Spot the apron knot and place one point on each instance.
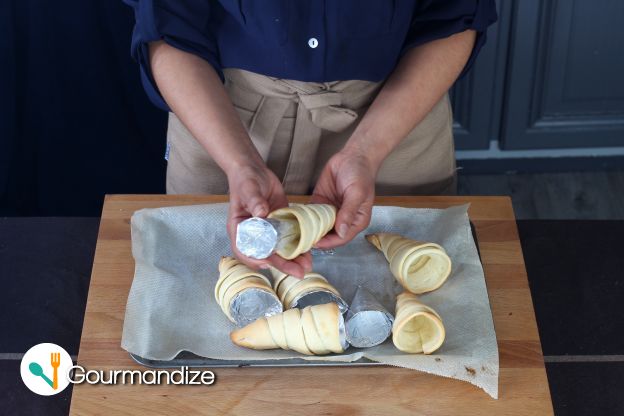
(326, 110)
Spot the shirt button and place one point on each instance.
(313, 43)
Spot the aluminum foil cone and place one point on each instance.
(318, 297)
(342, 333)
(368, 323)
(258, 238)
(253, 303)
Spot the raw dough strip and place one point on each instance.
(311, 331)
(417, 328)
(234, 277)
(312, 222)
(420, 267)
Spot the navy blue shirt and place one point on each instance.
(309, 40)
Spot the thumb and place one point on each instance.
(351, 203)
(254, 202)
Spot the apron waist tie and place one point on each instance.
(319, 108)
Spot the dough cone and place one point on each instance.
(314, 330)
(290, 288)
(310, 222)
(234, 277)
(417, 328)
(420, 267)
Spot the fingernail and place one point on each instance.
(257, 211)
(342, 230)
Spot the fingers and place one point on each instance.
(353, 217)
(354, 213)
(333, 240)
(297, 267)
(252, 263)
(305, 261)
(258, 197)
(253, 201)
(348, 212)
(320, 199)
(249, 198)
(325, 189)
(278, 201)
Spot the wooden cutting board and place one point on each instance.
(320, 390)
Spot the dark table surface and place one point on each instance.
(575, 269)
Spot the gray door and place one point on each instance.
(550, 76)
(565, 76)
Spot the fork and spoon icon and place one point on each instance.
(55, 361)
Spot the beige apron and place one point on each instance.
(297, 126)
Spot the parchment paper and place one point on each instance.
(171, 306)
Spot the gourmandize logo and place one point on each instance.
(47, 369)
(55, 360)
(44, 369)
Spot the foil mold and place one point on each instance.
(368, 323)
(342, 333)
(318, 297)
(319, 252)
(253, 303)
(258, 238)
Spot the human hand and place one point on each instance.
(348, 183)
(256, 191)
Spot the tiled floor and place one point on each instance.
(577, 289)
(17, 400)
(575, 272)
(578, 293)
(46, 267)
(587, 388)
(569, 195)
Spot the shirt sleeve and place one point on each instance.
(435, 19)
(183, 24)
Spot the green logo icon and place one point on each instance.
(44, 369)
